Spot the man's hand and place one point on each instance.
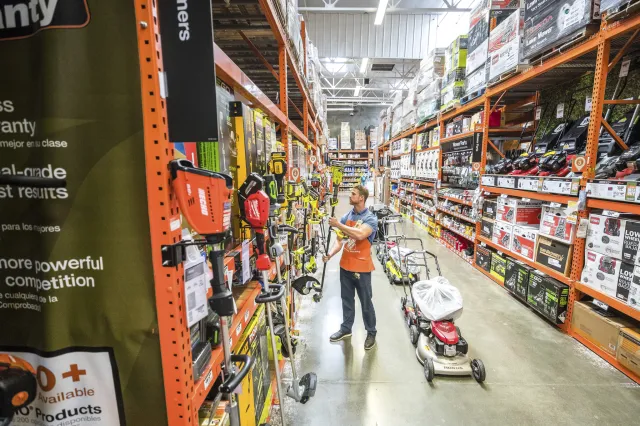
(325, 259)
(334, 222)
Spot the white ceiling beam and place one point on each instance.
(411, 11)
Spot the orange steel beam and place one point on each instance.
(231, 74)
(622, 102)
(597, 103)
(257, 52)
(305, 118)
(296, 107)
(623, 51)
(495, 148)
(284, 90)
(493, 108)
(485, 138)
(615, 136)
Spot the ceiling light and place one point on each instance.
(382, 8)
(363, 65)
(357, 91)
(339, 109)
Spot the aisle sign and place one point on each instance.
(187, 55)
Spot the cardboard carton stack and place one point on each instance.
(345, 135)
(360, 141)
(455, 71)
(611, 258)
(505, 46)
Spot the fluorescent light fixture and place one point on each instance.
(357, 91)
(382, 8)
(339, 109)
(363, 65)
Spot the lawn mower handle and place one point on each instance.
(234, 380)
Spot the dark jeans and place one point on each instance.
(350, 284)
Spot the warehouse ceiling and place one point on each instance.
(345, 35)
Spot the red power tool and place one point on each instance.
(254, 209)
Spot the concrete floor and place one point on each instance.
(536, 375)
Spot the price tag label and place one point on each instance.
(624, 68)
(526, 200)
(538, 113)
(600, 305)
(503, 195)
(610, 213)
(587, 104)
(555, 205)
(560, 111)
(500, 253)
(482, 244)
(582, 228)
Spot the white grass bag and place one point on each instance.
(437, 299)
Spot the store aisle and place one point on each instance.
(535, 373)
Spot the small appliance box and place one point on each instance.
(483, 257)
(502, 234)
(498, 266)
(548, 296)
(607, 275)
(549, 22)
(600, 328)
(519, 212)
(486, 228)
(553, 223)
(489, 209)
(614, 236)
(516, 278)
(629, 349)
(524, 241)
(634, 290)
(554, 254)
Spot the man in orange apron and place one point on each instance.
(359, 227)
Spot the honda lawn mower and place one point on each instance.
(430, 308)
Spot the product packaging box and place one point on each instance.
(486, 228)
(607, 275)
(599, 327)
(519, 212)
(498, 266)
(503, 234)
(476, 80)
(549, 23)
(516, 278)
(483, 257)
(524, 241)
(554, 223)
(614, 236)
(489, 209)
(554, 254)
(634, 290)
(629, 349)
(504, 46)
(548, 296)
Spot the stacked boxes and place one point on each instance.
(498, 266)
(505, 46)
(484, 18)
(483, 257)
(550, 23)
(454, 79)
(360, 140)
(547, 296)
(345, 135)
(428, 85)
(554, 254)
(611, 257)
(516, 278)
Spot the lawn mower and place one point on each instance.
(430, 308)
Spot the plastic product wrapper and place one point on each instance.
(437, 299)
(401, 252)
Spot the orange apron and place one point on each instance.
(356, 255)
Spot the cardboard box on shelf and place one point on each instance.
(516, 278)
(629, 349)
(554, 223)
(502, 234)
(489, 209)
(486, 228)
(607, 275)
(483, 257)
(599, 327)
(524, 241)
(634, 290)
(498, 266)
(554, 254)
(519, 212)
(548, 296)
(614, 236)
(505, 46)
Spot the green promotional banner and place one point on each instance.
(77, 299)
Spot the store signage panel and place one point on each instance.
(187, 53)
(19, 19)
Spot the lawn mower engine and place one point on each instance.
(556, 164)
(18, 386)
(526, 165)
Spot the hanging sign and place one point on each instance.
(624, 68)
(578, 164)
(560, 111)
(538, 113)
(588, 104)
(187, 54)
(313, 159)
(295, 173)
